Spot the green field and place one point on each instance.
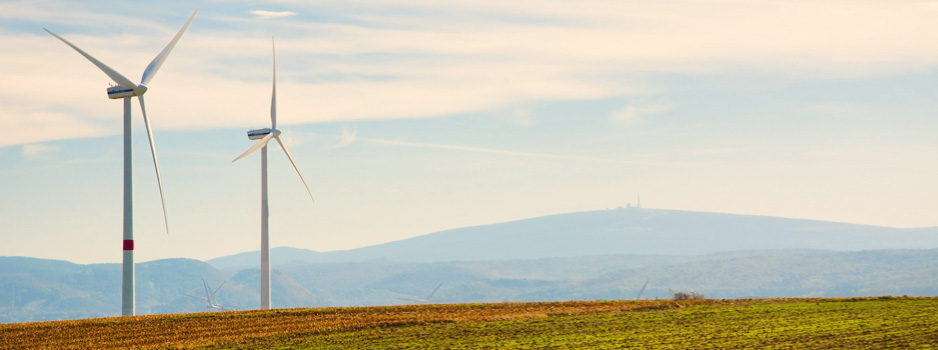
(855, 323)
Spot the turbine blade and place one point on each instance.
(219, 287)
(207, 295)
(193, 296)
(295, 166)
(273, 97)
(156, 163)
(260, 143)
(434, 291)
(643, 289)
(159, 59)
(113, 74)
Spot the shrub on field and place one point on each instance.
(687, 295)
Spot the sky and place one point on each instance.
(409, 117)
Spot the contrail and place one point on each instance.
(484, 150)
(349, 137)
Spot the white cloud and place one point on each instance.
(34, 150)
(396, 61)
(485, 150)
(272, 14)
(346, 139)
(634, 112)
(37, 126)
(626, 116)
(522, 117)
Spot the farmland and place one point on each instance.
(884, 322)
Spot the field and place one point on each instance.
(883, 322)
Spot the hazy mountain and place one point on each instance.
(52, 290)
(616, 231)
(285, 292)
(279, 256)
(162, 285)
(40, 289)
(591, 255)
(818, 274)
(639, 231)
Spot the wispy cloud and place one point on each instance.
(522, 117)
(261, 14)
(472, 57)
(346, 139)
(484, 150)
(715, 151)
(634, 112)
(35, 150)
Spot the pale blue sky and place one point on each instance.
(409, 117)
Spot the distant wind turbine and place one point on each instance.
(425, 300)
(209, 299)
(265, 135)
(126, 89)
(643, 289)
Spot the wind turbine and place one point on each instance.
(264, 135)
(125, 90)
(209, 299)
(642, 290)
(424, 300)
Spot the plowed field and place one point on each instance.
(884, 322)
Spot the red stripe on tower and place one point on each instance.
(128, 244)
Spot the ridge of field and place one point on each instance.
(876, 322)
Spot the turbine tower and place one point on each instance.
(264, 135)
(125, 90)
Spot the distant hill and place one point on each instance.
(279, 256)
(40, 289)
(616, 231)
(605, 254)
(37, 289)
(752, 274)
(815, 274)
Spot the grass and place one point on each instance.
(876, 323)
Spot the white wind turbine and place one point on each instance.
(265, 135)
(425, 300)
(125, 90)
(209, 299)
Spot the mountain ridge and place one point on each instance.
(605, 254)
(617, 231)
(165, 286)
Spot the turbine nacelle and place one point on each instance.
(119, 91)
(127, 89)
(261, 133)
(262, 137)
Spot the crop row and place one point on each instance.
(765, 323)
(192, 330)
(871, 323)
